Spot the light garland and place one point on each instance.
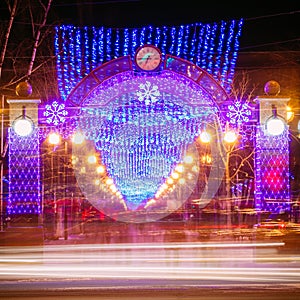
(272, 171)
(202, 44)
(24, 175)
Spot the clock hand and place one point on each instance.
(146, 57)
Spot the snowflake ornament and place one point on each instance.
(148, 94)
(238, 113)
(55, 113)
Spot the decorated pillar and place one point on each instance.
(24, 205)
(272, 187)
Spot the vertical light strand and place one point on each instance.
(108, 44)
(94, 47)
(193, 43)
(86, 53)
(78, 53)
(100, 43)
(66, 65)
(134, 41)
(72, 55)
(186, 42)
(219, 49)
(205, 46)
(173, 37)
(126, 42)
(164, 41)
(201, 37)
(157, 35)
(211, 49)
(235, 51)
(179, 41)
(117, 44)
(58, 55)
(149, 35)
(142, 36)
(227, 52)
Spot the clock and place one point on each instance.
(148, 57)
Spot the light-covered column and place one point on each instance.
(272, 186)
(24, 198)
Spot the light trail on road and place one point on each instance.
(239, 262)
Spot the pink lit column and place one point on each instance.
(272, 187)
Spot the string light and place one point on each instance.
(198, 43)
(25, 183)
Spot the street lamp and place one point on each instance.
(23, 125)
(275, 125)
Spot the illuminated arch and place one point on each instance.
(142, 126)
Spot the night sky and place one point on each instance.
(267, 24)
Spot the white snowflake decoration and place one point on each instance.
(148, 94)
(55, 113)
(238, 113)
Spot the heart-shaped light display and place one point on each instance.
(142, 130)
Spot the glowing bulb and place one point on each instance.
(92, 159)
(100, 169)
(23, 127)
(179, 168)
(230, 136)
(170, 181)
(78, 138)
(275, 126)
(113, 188)
(205, 137)
(74, 160)
(188, 159)
(109, 181)
(175, 175)
(289, 114)
(181, 181)
(54, 138)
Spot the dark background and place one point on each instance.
(267, 24)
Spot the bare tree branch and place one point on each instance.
(11, 20)
(37, 38)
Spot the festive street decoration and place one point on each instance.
(55, 113)
(212, 47)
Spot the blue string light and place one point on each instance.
(100, 41)
(202, 44)
(117, 44)
(126, 41)
(24, 182)
(109, 42)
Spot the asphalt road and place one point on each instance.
(148, 290)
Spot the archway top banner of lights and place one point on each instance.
(212, 47)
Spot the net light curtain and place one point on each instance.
(213, 47)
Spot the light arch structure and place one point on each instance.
(142, 126)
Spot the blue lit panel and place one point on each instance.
(24, 174)
(272, 171)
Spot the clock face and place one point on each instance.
(148, 57)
